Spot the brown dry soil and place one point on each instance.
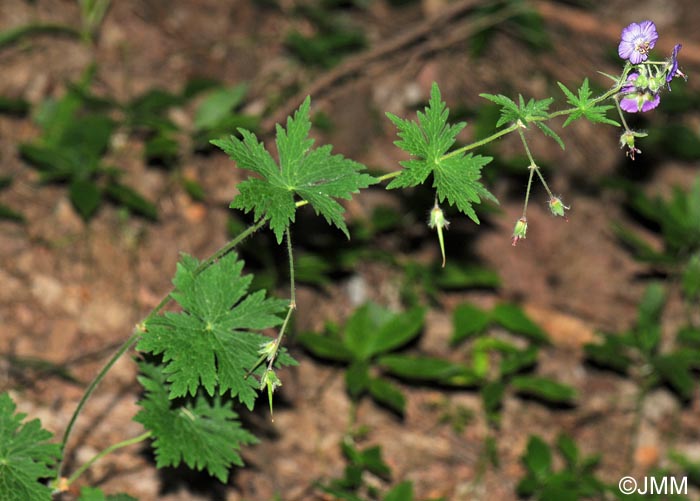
(71, 292)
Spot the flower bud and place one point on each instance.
(438, 221)
(519, 231)
(557, 207)
(268, 349)
(272, 382)
(627, 141)
(437, 218)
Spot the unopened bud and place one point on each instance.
(557, 207)
(272, 382)
(268, 349)
(438, 221)
(520, 230)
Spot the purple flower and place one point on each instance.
(636, 99)
(673, 70)
(637, 40)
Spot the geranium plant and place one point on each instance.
(215, 351)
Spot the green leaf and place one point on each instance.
(532, 112)
(13, 35)
(210, 342)
(568, 449)
(543, 389)
(85, 196)
(52, 161)
(372, 330)
(585, 106)
(371, 460)
(193, 188)
(647, 332)
(88, 135)
(162, 149)
(311, 269)
(547, 131)
(357, 379)
(150, 106)
(13, 106)
(612, 353)
(339, 493)
(637, 245)
(400, 492)
(691, 278)
(362, 326)
(460, 277)
(515, 320)
(387, 394)
(492, 398)
(218, 105)
(538, 458)
(518, 360)
(202, 433)
(325, 347)
(25, 455)
(96, 494)
(676, 369)
(455, 176)
(314, 175)
(468, 320)
(690, 468)
(414, 368)
(10, 214)
(327, 48)
(689, 336)
(131, 199)
(398, 330)
(509, 110)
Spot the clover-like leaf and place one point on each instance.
(456, 175)
(210, 342)
(313, 175)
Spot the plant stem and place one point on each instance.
(231, 245)
(533, 167)
(637, 423)
(622, 117)
(292, 302)
(468, 147)
(104, 452)
(137, 334)
(88, 392)
(292, 285)
(390, 175)
(481, 142)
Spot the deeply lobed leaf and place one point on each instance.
(211, 343)
(313, 175)
(25, 455)
(203, 433)
(456, 176)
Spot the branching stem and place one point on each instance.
(140, 328)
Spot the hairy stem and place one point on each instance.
(103, 453)
(90, 389)
(292, 302)
(131, 341)
(481, 142)
(533, 167)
